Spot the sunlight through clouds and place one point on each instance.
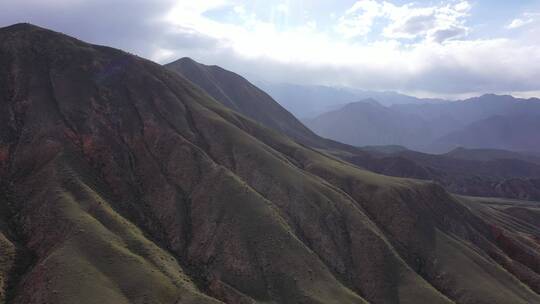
(417, 48)
(438, 47)
(408, 21)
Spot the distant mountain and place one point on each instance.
(306, 101)
(369, 123)
(516, 133)
(489, 121)
(465, 112)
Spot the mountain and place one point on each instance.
(482, 175)
(464, 177)
(123, 182)
(307, 101)
(489, 121)
(368, 123)
(465, 112)
(516, 133)
(238, 94)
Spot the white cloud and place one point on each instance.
(410, 47)
(439, 59)
(358, 20)
(409, 21)
(525, 19)
(517, 23)
(463, 7)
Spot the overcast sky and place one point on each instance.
(428, 48)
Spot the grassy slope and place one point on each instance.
(367, 186)
(237, 93)
(98, 256)
(305, 200)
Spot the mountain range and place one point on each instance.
(489, 121)
(308, 101)
(509, 174)
(125, 182)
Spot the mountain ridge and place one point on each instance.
(221, 85)
(306, 101)
(500, 178)
(436, 127)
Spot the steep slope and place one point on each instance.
(238, 94)
(368, 121)
(127, 184)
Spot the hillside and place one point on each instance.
(492, 154)
(238, 94)
(125, 183)
(375, 122)
(476, 172)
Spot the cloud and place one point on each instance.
(132, 25)
(517, 23)
(359, 19)
(452, 68)
(370, 44)
(408, 21)
(526, 19)
(442, 34)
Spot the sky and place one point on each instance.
(449, 49)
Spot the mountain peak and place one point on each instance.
(363, 103)
(237, 93)
(21, 27)
(492, 96)
(32, 34)
(26, 28)
(184, 60)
